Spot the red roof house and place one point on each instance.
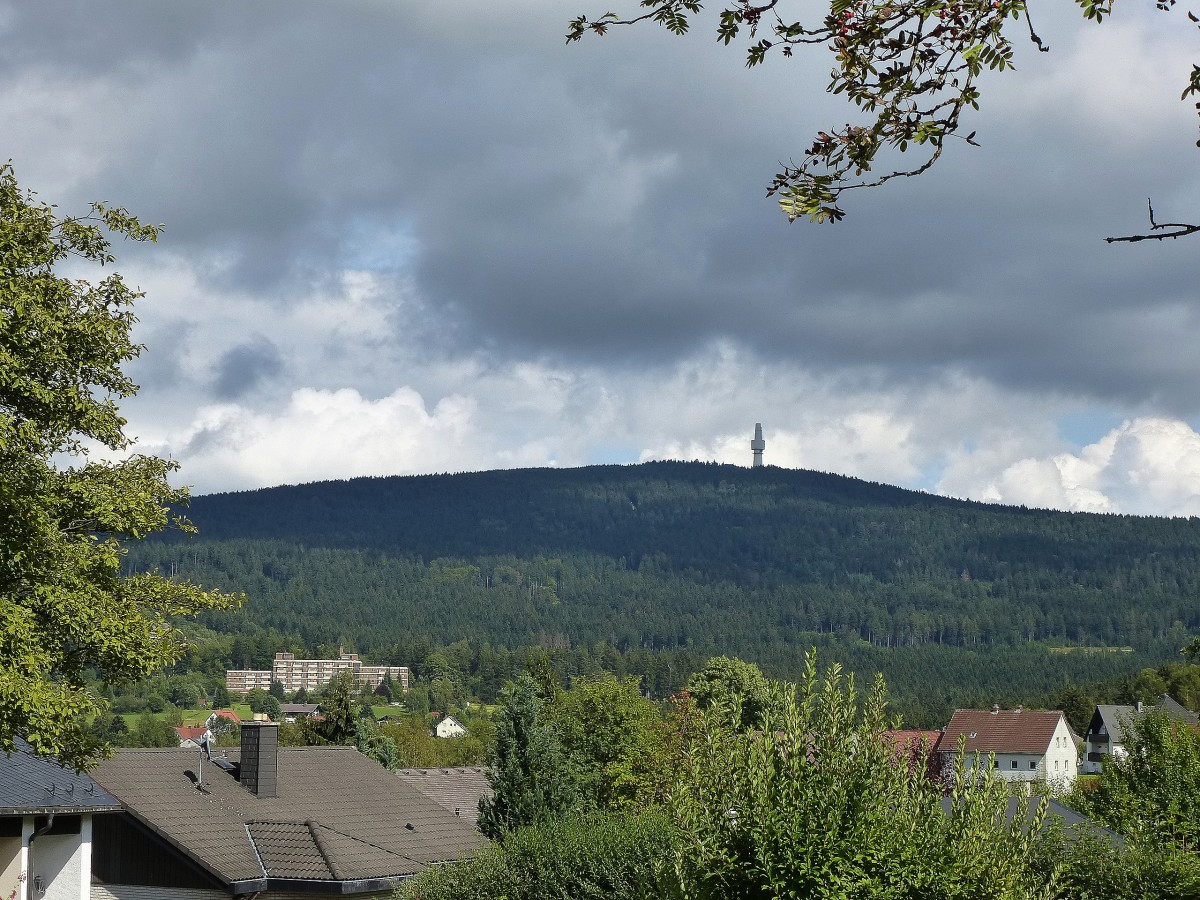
(1023, 745)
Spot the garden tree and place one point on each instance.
(272, 707)
(1152, 794)
(109, 728)
(370, 740)
(151, 731)
(531, 777)
(387, 688)
(66, 510)
(736, 686)
(278, 691)
(815, 805)
(339, 706)
(1191, 652)
(911, 67)
(606, 727)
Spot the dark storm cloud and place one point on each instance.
(240, 369)
(603, 202)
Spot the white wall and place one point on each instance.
(1062, 758)
(57, 861)
(10, 865)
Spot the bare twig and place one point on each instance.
(1164, 230)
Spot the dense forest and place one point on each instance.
(672, 559)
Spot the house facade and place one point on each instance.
(46, 827)
(449, 727)
(1105, 737)
(1020, 745)
(269, 822)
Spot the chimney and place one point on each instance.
(1139, 706)
(259, 770)
(1018, 709)
(995, 709)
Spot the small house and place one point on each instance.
(449, 727)
(1022, 745)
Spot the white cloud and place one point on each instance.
(324, 435)
(1146, 466)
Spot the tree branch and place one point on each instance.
(1164, 230)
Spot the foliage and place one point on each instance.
(816, 806)
(605, 725)
(716, 559)
(151, 731)
(339, 706)
(1153, 793)
(597, 857)
(369, 740)
(1087, 866)
(531, 779)
(64, 606)
(733, 685)
(911, 67)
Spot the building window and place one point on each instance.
(995, 763)
(1013, 764)
(1056, 765)
(1033, 764)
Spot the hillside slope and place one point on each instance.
(683, 554)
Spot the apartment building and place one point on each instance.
(311, 674)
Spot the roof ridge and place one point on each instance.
(320, 844)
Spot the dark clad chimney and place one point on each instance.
(259, 771)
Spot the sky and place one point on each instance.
(407, 237)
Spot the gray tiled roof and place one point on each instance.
(31, 784)
(338, 816)
(457, 789)
(1114, 719)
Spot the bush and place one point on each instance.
(1091, 867)
(597, 857)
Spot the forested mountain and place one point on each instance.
(694, 556)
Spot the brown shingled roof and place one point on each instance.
(457, 789)
(338, 817)
(1000, 731)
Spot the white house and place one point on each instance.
(1022, 745)
(46, 827)
(449, 727)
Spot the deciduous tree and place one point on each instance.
(66, 509)
(605, 724)
(1153, 792)
(738, 687)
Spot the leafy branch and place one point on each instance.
(911, 67)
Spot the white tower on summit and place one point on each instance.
(758, 445)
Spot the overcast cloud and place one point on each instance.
(413, 236)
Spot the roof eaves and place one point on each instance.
(56, 810)
(319, 886)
